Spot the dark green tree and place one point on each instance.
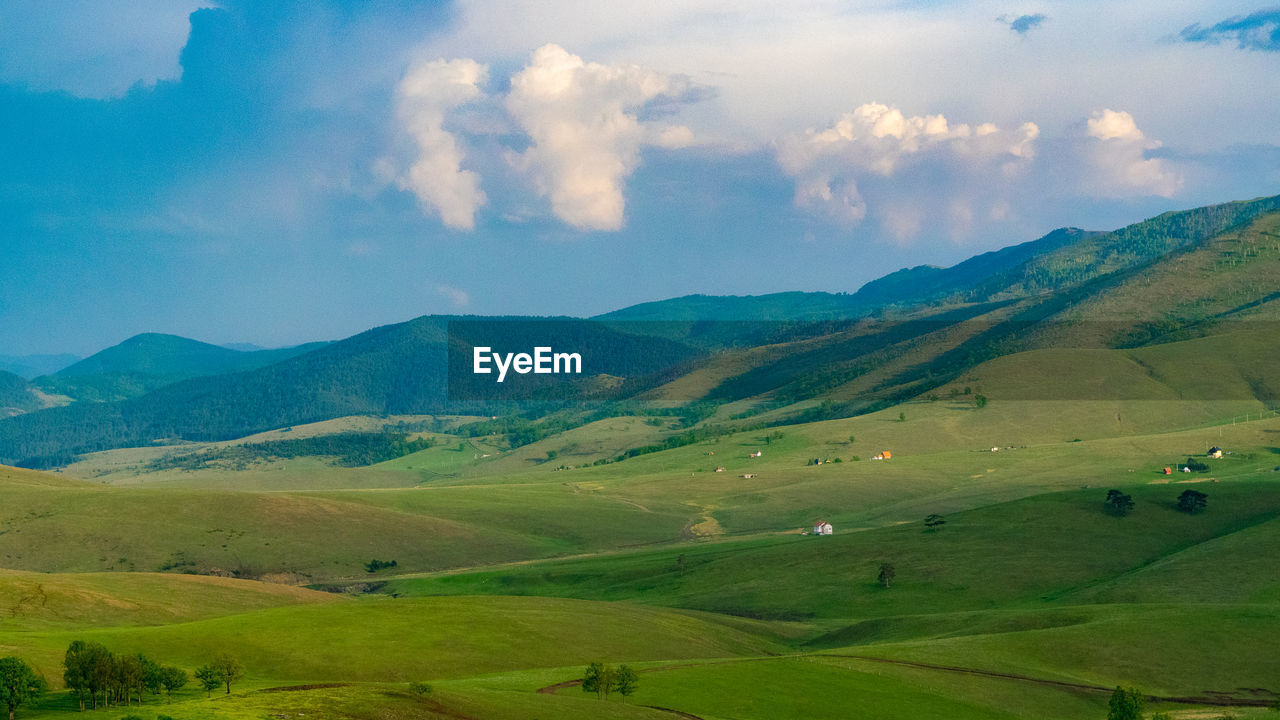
(172, 678)
(209, 679)
(77, 672)
(980, 401)
(1119, 503)
(1192, 501)
(228, 668)
(19, 684)
(626, 681)
(934, 521)
(152, 680)
(101, 667)
(1126, 704)
(129, 678)
(887, 574)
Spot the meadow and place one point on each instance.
(515, 567)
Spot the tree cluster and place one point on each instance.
(93, 673)
(222, 671)
(603, 679)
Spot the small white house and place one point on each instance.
(822, 527)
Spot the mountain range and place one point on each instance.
(786, 357)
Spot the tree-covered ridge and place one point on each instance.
(394, 369)
(1096, 255)
(16, 395)
(150, 361)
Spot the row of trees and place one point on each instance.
(92, 672)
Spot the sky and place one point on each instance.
(280, 172)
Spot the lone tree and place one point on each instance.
(19, 684)
(172, 678)
(626, 681)
(1119, 503)
(228, 669)
(209, 679)
(934, 521)
(1126, 704)
(887, 573)
(1192, 501)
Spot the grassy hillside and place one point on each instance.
(387, 640)
(1013, 554)
(42, 601)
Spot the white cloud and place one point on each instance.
(957, 166)
(586, 136)
(1117, 155)
(457, 297)
(427, 93)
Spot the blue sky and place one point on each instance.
(278, 172)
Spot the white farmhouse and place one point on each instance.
(822, 527)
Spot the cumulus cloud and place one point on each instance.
(427, 93)
(1118, 154)
(1022, 24)
(921, 168)
(1257, 31)
(583, 121)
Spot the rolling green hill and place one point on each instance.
(152, 360)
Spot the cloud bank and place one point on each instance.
(921, 167)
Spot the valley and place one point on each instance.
(369, 544)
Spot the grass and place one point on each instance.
(33, 601)
(414, 639)
(1026, 552)
(516, 574)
